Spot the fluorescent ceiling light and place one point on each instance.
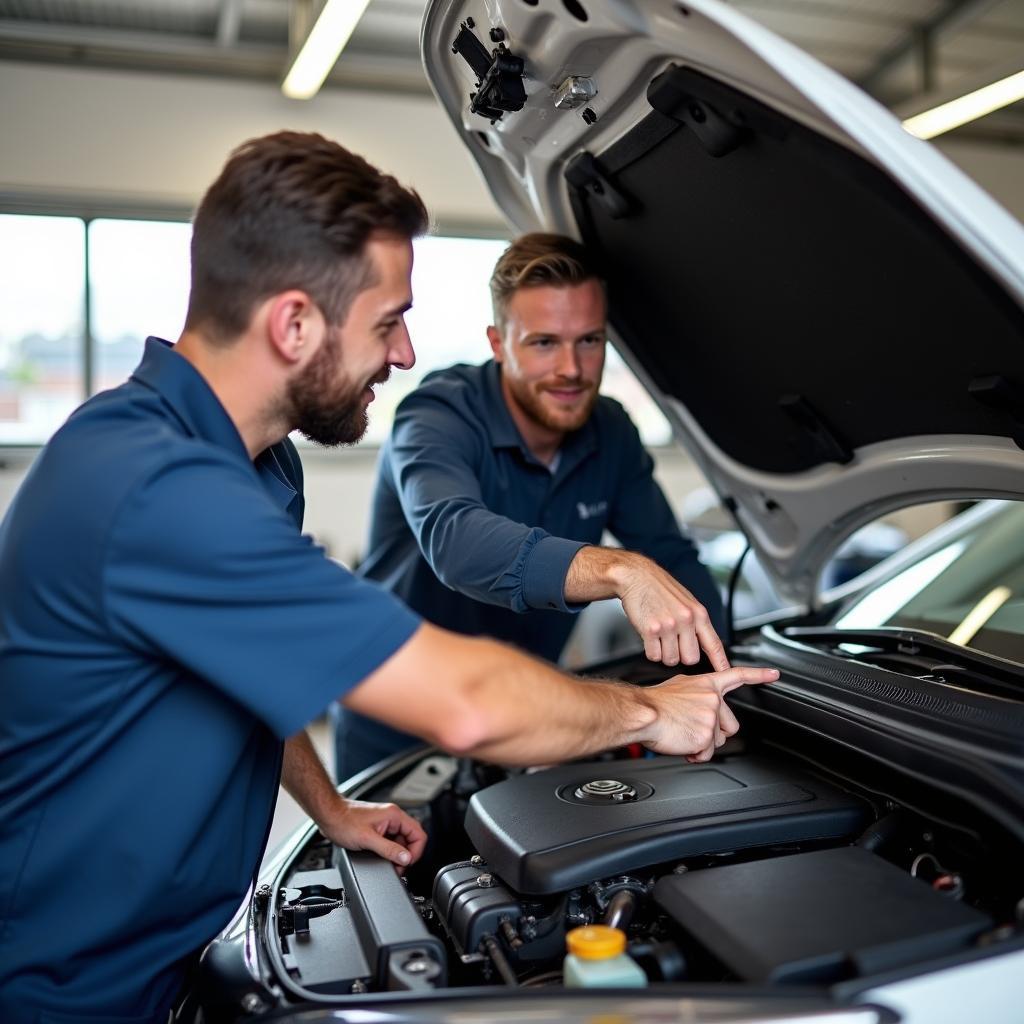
(970, 107)
(322, 47)
(979, 615)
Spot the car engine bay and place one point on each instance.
(778, 864)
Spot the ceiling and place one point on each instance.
(899, 50)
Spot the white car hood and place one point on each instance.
(829, 312)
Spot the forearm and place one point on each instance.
(303, 775)
(480, 698)
(529, 713)
(597, 573)
(383, 828)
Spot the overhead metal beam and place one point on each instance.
(86, 42)
(953, 17)
(82, 46)
(229, 21)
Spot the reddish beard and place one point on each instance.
(529, 398)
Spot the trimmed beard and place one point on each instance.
(323, 410)
(532, 405)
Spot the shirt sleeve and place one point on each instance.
(433, 454)
(203, 570)
(642, 520)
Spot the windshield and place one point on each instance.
(967, 588)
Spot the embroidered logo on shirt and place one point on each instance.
(595, 508)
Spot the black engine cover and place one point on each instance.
(551, 831)
(817, 917)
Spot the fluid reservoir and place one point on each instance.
(597, 958)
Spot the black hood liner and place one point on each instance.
(787, 292)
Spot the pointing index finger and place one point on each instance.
(745, 675)
(713, 648)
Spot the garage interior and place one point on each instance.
(119, 111)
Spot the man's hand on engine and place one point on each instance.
(383, 828)
(674, 625)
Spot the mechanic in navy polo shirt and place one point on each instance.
(498, 482)
(166, 632)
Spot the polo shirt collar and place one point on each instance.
(505, 434)
(185, 390)
(200, 412)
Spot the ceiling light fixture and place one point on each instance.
(322, 47)
(979, 615)
(968, 107)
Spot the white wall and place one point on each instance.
(161, 139)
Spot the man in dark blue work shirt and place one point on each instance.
(498, 482)
(166, 631)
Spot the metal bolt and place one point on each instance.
(485, 881)
(497, 35)
(476, 860)
(253, 1003)
(359, 986)
(575, 91)
(422, 966)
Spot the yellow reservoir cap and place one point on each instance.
(595, 942)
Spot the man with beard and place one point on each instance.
(166, 632)
(498, 482)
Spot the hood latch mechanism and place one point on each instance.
(499, 75)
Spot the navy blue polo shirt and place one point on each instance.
(474, 533)
(163, 628)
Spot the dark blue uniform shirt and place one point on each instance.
(163, 627)
(474, 533)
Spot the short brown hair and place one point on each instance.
(291, 210)
(537, 259)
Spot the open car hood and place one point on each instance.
(829, 312)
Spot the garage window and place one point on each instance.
(78, 297)
(42, 315)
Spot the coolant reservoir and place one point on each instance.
(597, 958)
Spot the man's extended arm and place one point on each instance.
(492, 702)
(352, 824)
(433, 455)
(668, 596)
(491, 558)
